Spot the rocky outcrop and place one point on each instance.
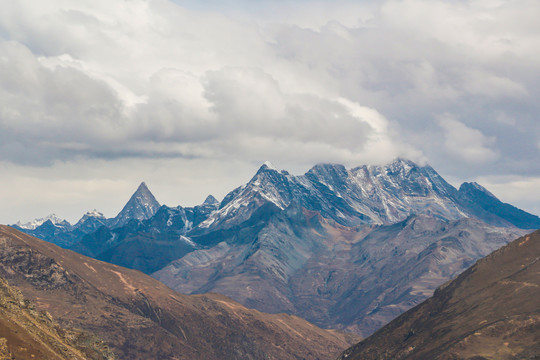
(26, 333)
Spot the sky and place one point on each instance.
(192, 97)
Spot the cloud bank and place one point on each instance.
(101, 83)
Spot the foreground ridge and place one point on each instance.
(26, 333)
(491, 311)
(140, 318)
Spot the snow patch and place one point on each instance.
(32, 225)
(269, 165)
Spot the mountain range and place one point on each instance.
(343, 248)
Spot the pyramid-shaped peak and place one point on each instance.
(269, 165)
(141, 206)
(210, 200)
(142, 187)
(143, 192)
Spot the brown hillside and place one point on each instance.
(140, 318)
(28, 334)
(491, 311)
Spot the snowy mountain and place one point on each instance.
(141, 206)
(363, 195)
(90, 222)
(55, 220)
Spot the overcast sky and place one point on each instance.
(192, 97)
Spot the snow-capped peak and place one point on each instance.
(142, 205)
(210, 200)
(269, 165)
(94, 213)
(31, 225)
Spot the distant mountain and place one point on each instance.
(491, 311)
(140, 318)
(362, 195)
(59, 232)
(141, 206)
(147, 245)
(90, 222)
(52, 218)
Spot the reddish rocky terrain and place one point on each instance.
(140, 318)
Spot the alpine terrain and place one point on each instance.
(491, 311)
(347, 249)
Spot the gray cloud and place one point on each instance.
(455, 83)
(468, 144)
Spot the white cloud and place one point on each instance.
(70, 114)
(293, 82)
(467, 143)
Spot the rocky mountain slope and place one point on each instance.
(26, 333)
(140, 318)
(353, 278)
(491, 311)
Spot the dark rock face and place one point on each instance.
(140, 318)
(486, 206)
(146, 245)
(491, 311)
(141, 237)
